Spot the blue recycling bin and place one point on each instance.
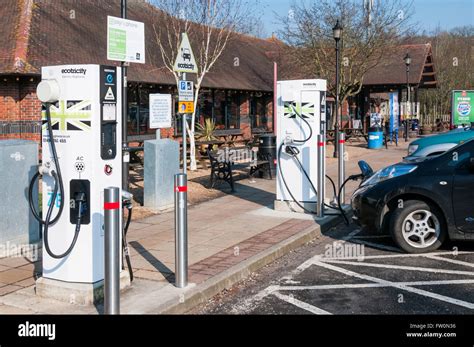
(375, 140)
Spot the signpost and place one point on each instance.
(125, 40)
(186, 91)
(186, 97)
(462, 111)
(125, 43)
(185, 63)
(160, 112)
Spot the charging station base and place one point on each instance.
(76, 293)
(291, 206)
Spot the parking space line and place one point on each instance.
(401, 255)
(448, 260)
(399, 286)
(306, 264)
(400, 267)
(301, 304)
(370, 285)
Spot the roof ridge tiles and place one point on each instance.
(22, 35)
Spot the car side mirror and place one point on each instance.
(365, 169)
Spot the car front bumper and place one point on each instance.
(367, 206)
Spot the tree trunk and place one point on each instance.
(192, 151)
(192, 139)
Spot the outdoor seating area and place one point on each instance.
(223, 164)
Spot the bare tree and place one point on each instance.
(366, 39)
(453, 54)
(210, 24)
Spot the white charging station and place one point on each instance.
(85, 111)
(297, 99)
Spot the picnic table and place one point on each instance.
(229, 136)
(223, 164)
(351, 134)
(210, 144)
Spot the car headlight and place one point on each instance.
(412, 149)
(389, 172)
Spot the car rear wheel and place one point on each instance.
(418, 227)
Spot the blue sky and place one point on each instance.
(428, 13)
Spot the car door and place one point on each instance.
(463, 188)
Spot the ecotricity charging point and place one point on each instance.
(301, 106)
(81, 156)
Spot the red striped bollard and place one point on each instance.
(181, 229)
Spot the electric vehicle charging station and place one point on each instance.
(301, 106)
(82, 111)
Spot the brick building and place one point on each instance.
(237, 93)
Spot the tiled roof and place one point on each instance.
(73, 32)
(392, 69)
(35, 33)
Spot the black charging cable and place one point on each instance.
(293, 152)
(128, 205)
(58, 185)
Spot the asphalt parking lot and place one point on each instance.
(349, 271)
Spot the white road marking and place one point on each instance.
(372, 285)
(400, 267)
(311, 260)
(399, 286)
(300, 304)
(402, 255)
(250, 302)
(449, 260)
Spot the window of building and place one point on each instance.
(258, 111)
(233, 110)
(138, 110)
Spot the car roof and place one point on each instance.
(454, 136)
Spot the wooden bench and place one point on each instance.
(222, 169)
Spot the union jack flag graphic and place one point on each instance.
(305, 109)
(69, 115)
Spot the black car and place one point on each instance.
(422, 201)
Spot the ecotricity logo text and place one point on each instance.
(28, 329)
(74, 71)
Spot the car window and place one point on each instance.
(459, 155)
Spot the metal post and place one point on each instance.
(321, 177)
(125, 153)
(112, 250)
(185, 144)
(408, 111)
(181, 229)
(336, 132)
(341, 165)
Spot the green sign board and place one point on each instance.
(125, 40)
(462, 107)
(117, 44)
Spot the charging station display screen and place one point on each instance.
(109, 112)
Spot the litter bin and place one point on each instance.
(267, 151)
(375, 138)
